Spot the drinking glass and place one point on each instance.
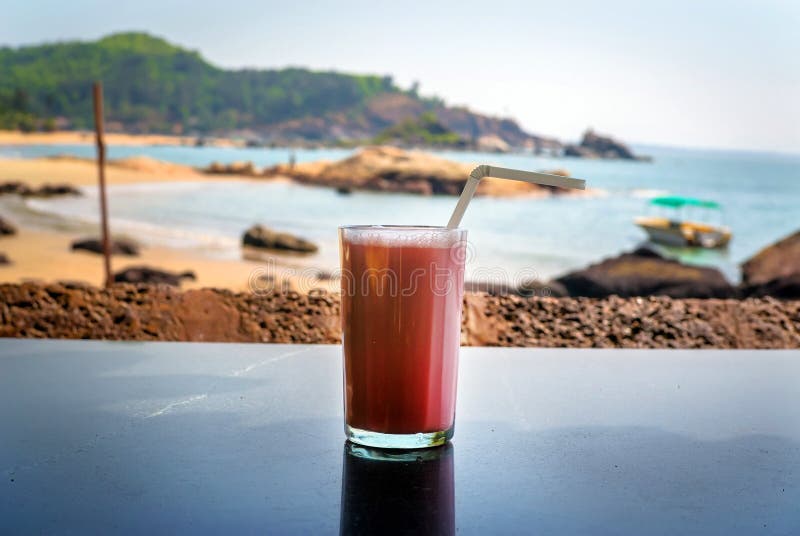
(402, 290)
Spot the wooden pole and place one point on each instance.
(97, 92)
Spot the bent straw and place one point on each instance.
(543, 179)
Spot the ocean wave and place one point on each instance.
(147, 233)
(8, 152)
(646, 193)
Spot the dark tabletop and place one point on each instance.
(219, 438)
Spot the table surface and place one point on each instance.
(130, 437)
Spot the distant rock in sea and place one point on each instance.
(775, 270)
(644, 272)
(119, 246)
(261, 237)
(390, 169)
(492, 144)
(594, 145)
(234, 168)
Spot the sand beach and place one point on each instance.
(45, 256)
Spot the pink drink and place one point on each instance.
(402, 289)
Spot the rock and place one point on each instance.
(259, 236)
(645, 273)
(492, 144)
(234, 168)
(344, 190)
(390, 169)
(775, 270)
(152, 276)
(7, 228)
(52, 190)
(45, 190)
(4, 260)
(596, 146)
(119, 246)
(14, 187)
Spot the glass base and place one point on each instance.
(397, 441)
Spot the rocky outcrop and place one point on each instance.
(492, 144)
(387, 109)
(594, 145)
(7, 228)
(119, 246)
(131, 312)
(644, 272)
(389, 169)
(775, 270)
(261, 237)
(45, 190)
(152, 276)
(234, 168)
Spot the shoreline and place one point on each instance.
(75, 137)
(77, 171)
(44, 254)
(45, 257)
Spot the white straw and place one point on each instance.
(543, 179)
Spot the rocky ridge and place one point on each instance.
(390, 169)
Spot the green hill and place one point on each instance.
(151, 85)
(423, 130)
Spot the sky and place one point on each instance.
(712, 74)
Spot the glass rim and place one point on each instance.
(379, 227)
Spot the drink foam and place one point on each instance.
(403, 236)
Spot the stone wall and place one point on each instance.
(128, 312)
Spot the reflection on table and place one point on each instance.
(397, 492)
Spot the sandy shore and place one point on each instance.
(69, 137)
(45, 255)
(83, 172)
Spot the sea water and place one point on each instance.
(511, 239)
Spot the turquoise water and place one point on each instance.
(510, 238)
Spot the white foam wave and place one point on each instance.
(147, 233)
(645, 193)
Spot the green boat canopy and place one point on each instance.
(675, 201)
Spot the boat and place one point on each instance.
(684, 222)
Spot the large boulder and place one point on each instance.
(119, 246)
(261, 237)
(152, 276)
(644, 272)
(234, 168)
(14, 187)
(53, 190)
(7, 228)
(775, 270)
(45, 190)
(594, 145)
(389, 169)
